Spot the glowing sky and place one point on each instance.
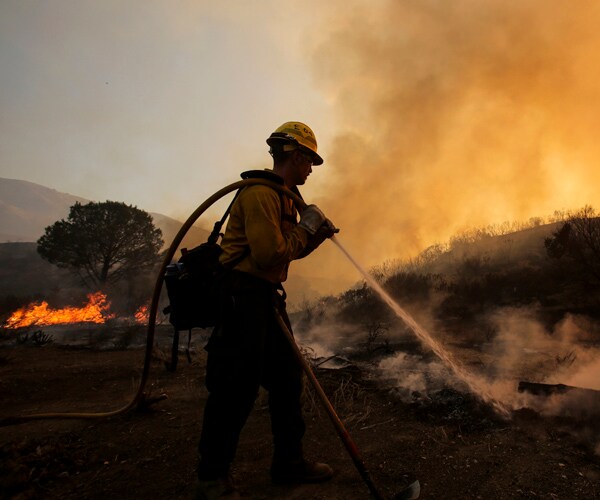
(432, 116)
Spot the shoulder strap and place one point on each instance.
(285, 216)
(270, 176)
(297, 192)
(214, 235)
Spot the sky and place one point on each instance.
(432, 116)
(151, 102)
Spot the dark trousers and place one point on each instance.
(246, 351)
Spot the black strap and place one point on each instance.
(172, 365)
(187, 351)
(216, 232)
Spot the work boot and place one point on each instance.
(300, 471)
(216, 489)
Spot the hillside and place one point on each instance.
(26, 209)
(482, 288)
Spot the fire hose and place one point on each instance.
(141, 398)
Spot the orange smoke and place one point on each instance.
(452, 115)
(40, 314)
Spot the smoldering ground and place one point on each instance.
(521, 349)
(454, 114)
(525, 349)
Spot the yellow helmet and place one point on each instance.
(294, 135)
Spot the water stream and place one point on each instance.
(475, 383)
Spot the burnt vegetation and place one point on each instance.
(550, 266)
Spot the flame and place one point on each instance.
(142, 314)
(40, 314)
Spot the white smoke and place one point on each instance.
(412, 374)
(523, 349)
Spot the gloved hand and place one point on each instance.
(327, 229)
(312, 219)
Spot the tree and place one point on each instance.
(102, 242)
(578, 239)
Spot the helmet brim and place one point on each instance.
(277, 139)
(317, 160)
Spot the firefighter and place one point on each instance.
(247, 349)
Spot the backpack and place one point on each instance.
(191, 285)
(193, 281)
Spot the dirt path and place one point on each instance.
(456, 448)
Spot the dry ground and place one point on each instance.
(457, 448)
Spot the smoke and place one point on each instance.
(586, 376)
(330, 337)
(455, 114)
(412, 374)
(523, 349)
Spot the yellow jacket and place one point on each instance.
(274, 239)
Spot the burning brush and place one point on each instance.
(96, 310)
